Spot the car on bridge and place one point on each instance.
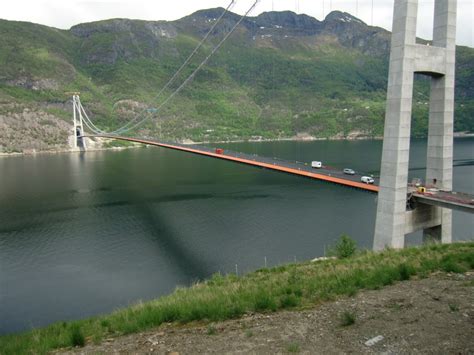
(367, 179)
(349, 171)
(316, 164)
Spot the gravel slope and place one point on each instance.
(428, 316)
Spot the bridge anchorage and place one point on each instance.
(393, 220)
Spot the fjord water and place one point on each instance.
(84, 234)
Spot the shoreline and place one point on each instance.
(290, 139)
(191, 142)
(61, 151)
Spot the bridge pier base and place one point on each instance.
(441, 233)
(393, 221)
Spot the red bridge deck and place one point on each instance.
(324, 174)
(447, 199)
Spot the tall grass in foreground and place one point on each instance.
(224, 297)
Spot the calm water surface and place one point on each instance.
(86, 234)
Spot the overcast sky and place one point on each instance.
(66, 13)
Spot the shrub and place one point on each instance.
(77, 338)
(450, 264)
(288, 301)
(405, 272)
(344, 248)
(348, 318)
(263, 301)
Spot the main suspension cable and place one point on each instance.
(190, 77)
(84, 118)
(185, 63)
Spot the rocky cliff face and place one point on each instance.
(350, 31)
(108, 41)
(354, 33)
(302, 25)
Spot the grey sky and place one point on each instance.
(66, 13)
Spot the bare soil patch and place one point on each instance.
(434, 315)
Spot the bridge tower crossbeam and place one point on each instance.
(407, 57)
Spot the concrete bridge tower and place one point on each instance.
(76, 140)
(393, 221)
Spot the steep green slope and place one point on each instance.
(279, 75)
(291, 286)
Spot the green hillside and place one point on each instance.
(279, 75)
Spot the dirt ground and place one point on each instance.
(429, 316)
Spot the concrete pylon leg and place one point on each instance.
(391, 205)
(439, 162)
(407, 58)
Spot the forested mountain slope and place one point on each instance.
(279, 75)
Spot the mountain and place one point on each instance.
(279, 75)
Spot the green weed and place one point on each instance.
(77, 338)
(405, 271)
(453, 307)
(211, 330)
(293, 347)
(288, 301)
(344, 248)
(347, 318)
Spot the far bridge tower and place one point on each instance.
(77, 140)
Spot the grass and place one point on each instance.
(453, 307)
(77, 338)
(267, 290)
(248, 333)
(293, 347)
(211, 330)
(348, 318)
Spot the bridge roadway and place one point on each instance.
(296, 168)
(448, 199)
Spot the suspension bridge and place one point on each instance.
(402, 208)
(429, 195)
